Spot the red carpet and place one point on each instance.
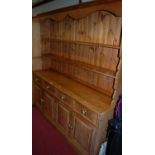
(46, 140)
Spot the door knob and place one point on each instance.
(62, 98)
(47, 87)
(83, 112)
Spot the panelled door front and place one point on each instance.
(64, 117)
(50, 106)
(82, 132)
(38, 97)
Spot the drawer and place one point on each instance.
(86, 112)
(37, 80)
(77, 106)
(89, 114)
(64, 98)
(49, 88)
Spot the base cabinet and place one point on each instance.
(81, 125)
(71, 124)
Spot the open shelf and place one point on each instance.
(84, 65)
(84, 43)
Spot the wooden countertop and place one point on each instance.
(94, 100)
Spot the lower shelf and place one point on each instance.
(96, 69)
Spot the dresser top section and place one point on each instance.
(87, 96)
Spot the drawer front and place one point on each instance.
(77, 106)
(91, 115)
(37, 80)
(49, 88)
(64, 98)
(86, 112)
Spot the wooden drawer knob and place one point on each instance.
(42, 100)
(36, 79)
(62, 98)
(70, 126)
(83, 112)
(47, 87)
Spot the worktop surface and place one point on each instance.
(91, 98)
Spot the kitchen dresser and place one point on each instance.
(77, 70)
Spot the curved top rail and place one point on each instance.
(76, 17)
(82, 10)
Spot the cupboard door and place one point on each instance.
(63, 117)
(47, 105)
(82, 133)
(38, 97)
(54, 109)
(50, 107)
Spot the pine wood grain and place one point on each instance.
(109, 25)
(81, 60)
(96, 101)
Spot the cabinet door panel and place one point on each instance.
(50, 106)
(47, 105)
(63, 117)
(37, 97)
(82, 133)
(54, 109)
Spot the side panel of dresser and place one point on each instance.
(101, 133)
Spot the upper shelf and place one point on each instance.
(84, 65)
(84, 43)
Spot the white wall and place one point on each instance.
(57, 4)
(53, 6)
(87, 0)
